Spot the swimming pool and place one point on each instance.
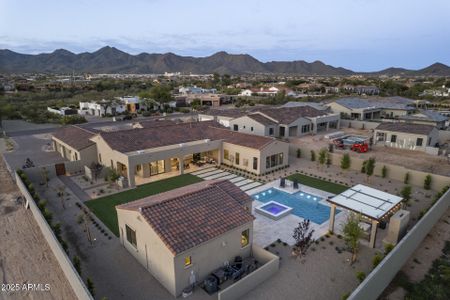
(273, 210)
(304, 205)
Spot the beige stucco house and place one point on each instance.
(190, 230)
(73, 143)
(284, 122)
(140, 153)
(406, 135)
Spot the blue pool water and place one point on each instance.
(274, 208)
(304, 205)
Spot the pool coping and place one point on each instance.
(273, 216)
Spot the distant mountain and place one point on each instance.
(112, 60)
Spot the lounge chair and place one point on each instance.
(295, 184)
(282, 182)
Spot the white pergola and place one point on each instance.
(371, 203)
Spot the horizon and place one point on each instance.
(220, 51)
(359, 35)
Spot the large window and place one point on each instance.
(274, 160)
(131, 236)
(226, 154)
(271, 131)
(306, 128)
(255, 163)
(235, 127)
(419, 142)
(236, 157)
(157, 167)
(393, 138)
(187, 261)
(245, 238)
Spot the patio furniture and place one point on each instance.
(282, 182)
(295, 184)
(210, 284)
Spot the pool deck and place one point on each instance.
(266, 230)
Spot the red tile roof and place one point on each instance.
(189, 216)
(140, 139)
(74, 136)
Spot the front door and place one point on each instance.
(282, 131)
(60, 169)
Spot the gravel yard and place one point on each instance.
(25, 256)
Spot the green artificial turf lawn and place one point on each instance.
(319, 183)
(104, 208)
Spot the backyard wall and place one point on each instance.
(72, 167)
(382, 275)
(270, 265)
(72, 275)
(358, 124)
(394, 172)
(444, 136)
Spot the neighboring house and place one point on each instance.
(246, 93)
(73, 143)
(101, 108)
(373, 108)
(210, 99)
(318, 106)
(223, 116)
(406, 135)
(132, 103)
(427, 117)
(272, 91)
(164, 148)
(194, 90)
(285, 121)
(63, 111)
(190, 230)
(362, 89)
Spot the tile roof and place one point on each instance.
(74, 136)
(406, 127)
(386, 103)
(189, 216)
(318, 106)
(141, 139)
(427, 115)
(261, 119)
(232, 113)
(287, 115)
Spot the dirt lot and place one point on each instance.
(415, 160)
(25, 256)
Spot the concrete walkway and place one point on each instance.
(215, 173)
(82, 195)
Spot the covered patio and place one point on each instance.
(374, 206)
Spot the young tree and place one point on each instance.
(427, 182)
(313, 155)
(406, 180)
(406, 193)
(60, 191)
(82, 220)
(45, 175)
(303, 237)
(370, 167)
(323, 156)
(345, 161)
(90, 286)
(352, 234)
(384, 172)
(328, 159)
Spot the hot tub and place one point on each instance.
(273, 210)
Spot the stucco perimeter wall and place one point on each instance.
(444, 136)
(71, 274)
(36, 174)
(270, 265)
(394, 172)
(358, 124)
(382, 275)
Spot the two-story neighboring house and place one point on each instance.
(190, 230)
(286, 122)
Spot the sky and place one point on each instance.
(362, 35)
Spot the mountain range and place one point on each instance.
(112, 60)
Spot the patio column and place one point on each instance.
(145, 170)
(181, 162)
(219, 157)
(373, 234)
(332, 217)
(130, 173)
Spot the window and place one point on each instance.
(305, 128)
(112, 164)
(226, 155)
(138, 168)
(251, 128)
(245, 162)
(131, 236)
(393, 138)
(255, 163)
(419, 142)
(187, 261)
(237, 158)
(245, 238)
(270, 131)
(76, 156)
(274, 160)
(235, 127)
(100, 157)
